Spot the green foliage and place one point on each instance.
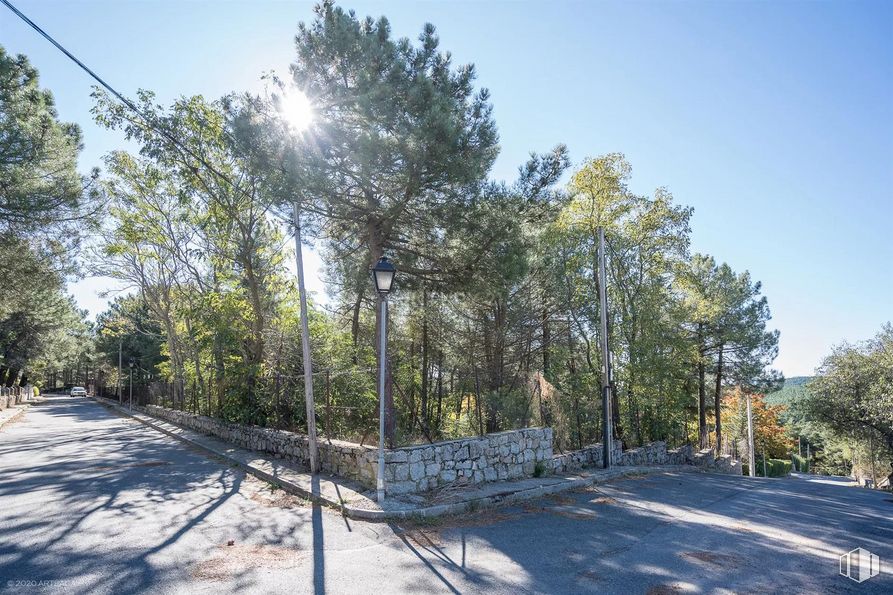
(773, 468)
(41, 328)
(129, 325)
(847, 410)
(42, 199)
(791, 391)
(647, 241)
(539, 469)
(41, 188)
(408, 143)
(727, 320)
(204, 254)
(493, 323)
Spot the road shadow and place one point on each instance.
(104, 476)
(664, 533)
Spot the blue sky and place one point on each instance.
(773, 120)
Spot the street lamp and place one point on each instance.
(130, 364)
(383, 274)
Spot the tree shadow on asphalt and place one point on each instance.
(665, 533)
(102, 487)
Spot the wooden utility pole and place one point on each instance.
(751, 459)
(305, 344)
(606, 362)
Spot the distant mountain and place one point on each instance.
(793, 389)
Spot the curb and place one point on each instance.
(486, 502)
(22, 408)
(259, 473)
(428, 512)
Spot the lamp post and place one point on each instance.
(131, 383)
(383, 274)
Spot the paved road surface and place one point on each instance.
(92, 502)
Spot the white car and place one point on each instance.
(78, 391)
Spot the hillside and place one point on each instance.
(792, 390)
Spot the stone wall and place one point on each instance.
(706, 459)
(492, 457)
(335, 456)
(680, 456)
(588, 456)
(654, 453)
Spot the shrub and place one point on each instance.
(539, 469)
(774, 468)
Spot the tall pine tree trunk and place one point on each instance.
(547, 338)
(702, 390)
(717, 398)
(424, 395)
(439, 391)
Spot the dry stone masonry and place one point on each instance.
(493, 457)
(706, 459)
(586, 457)
(346, 459)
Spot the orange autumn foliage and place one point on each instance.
(769, 433)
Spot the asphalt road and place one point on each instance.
(92, 502)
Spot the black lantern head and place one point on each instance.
(383, 273)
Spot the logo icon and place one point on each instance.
(859, 565)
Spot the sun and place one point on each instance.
(296, 110)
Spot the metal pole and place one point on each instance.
(328, 406)
(305, 345)
(751, 459)
(382, 347)
(131, 387)
(606, 366)
(120, 343)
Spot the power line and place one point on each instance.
(127, 102)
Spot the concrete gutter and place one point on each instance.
(338, 493)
